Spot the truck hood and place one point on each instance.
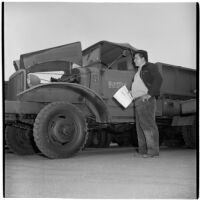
(70, 53)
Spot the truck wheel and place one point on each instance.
(60, 130)
(20, 140)
(189, 136)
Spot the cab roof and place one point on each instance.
(108, 45)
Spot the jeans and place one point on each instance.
(147, 130)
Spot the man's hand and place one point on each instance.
(146, 97)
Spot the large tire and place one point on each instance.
(189, 136)
(60, 130)
(20, 140)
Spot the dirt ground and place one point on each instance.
(103, 173)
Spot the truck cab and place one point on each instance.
(111, 66)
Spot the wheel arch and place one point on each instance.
(69, 92)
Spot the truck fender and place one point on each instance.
(70, 92)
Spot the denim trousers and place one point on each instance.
(147, 130)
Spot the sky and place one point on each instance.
(166, 30)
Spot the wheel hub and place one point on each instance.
(62, 130)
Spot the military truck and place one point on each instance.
(60, 100)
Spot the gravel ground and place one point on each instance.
(103, 173)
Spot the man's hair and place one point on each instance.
(142, 54)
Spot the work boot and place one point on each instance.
(139, 155)
(141, 151)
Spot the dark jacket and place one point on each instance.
(151, 78)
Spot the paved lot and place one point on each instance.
(103, 173)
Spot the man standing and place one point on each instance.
(145, 89)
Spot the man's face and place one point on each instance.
(138, 60)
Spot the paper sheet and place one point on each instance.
(123, 96)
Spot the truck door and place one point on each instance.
(120, 74)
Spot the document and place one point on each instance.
(123, 96)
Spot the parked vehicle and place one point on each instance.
(60, 100)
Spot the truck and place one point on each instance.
(60, 100)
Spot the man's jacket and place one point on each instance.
(151, 78)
